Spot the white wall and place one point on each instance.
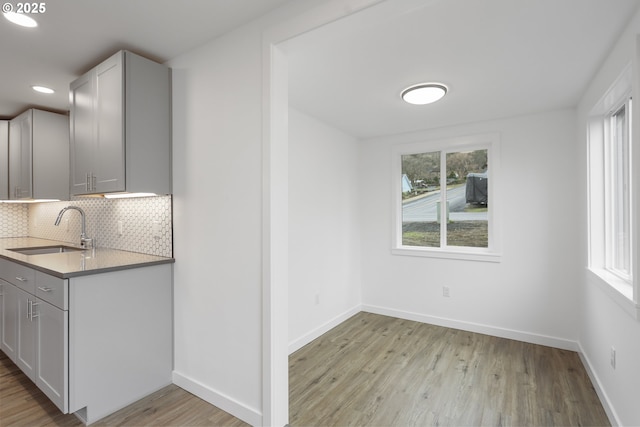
(531, 294)
(218, 206)
(324, 238)
(604, 323)
(217, 221)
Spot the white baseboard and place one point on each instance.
(232, 406)
(597, 385)
(254, 417)
(300, 342)
(476, 327)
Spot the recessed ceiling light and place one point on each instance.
(424, 93)
(43, 89)
(21, 19)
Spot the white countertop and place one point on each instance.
(76, 263)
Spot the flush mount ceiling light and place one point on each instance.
(42, 89)
(424, 93)
(20, 19)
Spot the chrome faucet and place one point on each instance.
(85, 242)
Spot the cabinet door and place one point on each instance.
(27, 330)
(109, 171)
(53, 338)
(9, 333)
(82, 133)
(20, 184)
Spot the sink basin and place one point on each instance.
(39, 250)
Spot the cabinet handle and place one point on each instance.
(93, 182)
(34, 315)
(44, 289)
(88, 182)
(30, 314)
(22, 279)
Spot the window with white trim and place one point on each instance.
(618, 191)
(445, 202)
(611, 217)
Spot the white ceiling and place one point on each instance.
(500, 58)
(74, 35)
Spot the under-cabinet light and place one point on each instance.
(30, 201)
(127, 195)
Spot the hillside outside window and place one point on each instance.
(444, 197)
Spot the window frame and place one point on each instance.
(490, 142)
(612, 192)
(623, 290)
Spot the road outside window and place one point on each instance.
(464, 216)
(446, 197)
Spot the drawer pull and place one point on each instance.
(44, 289)
(22, 279)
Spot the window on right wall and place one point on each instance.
(618, 191)
(610, 175)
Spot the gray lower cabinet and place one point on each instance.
(52, 369)
(93, 344)
(9, 343)
(27, 333)
(34, 331)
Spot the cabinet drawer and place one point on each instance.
(53, 290)
(21, 276)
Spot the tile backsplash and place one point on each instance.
(133, 224)
(14, 220)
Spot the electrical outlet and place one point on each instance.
(445, 292)
(120, 228)
(613, 357)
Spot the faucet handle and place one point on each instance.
(87, 242)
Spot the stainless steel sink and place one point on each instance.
(39, 250)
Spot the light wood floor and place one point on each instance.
(374, 371)
(23, 404)
(380, 371)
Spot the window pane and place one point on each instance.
(467, 199)
(420, 196)
(620, 194)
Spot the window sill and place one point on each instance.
(465, 255)
(617, 289)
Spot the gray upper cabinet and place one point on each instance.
(121, 127)
(38, 156)
(4, 159)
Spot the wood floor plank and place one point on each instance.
(374, 370)
(22, 404)
(413, 374)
